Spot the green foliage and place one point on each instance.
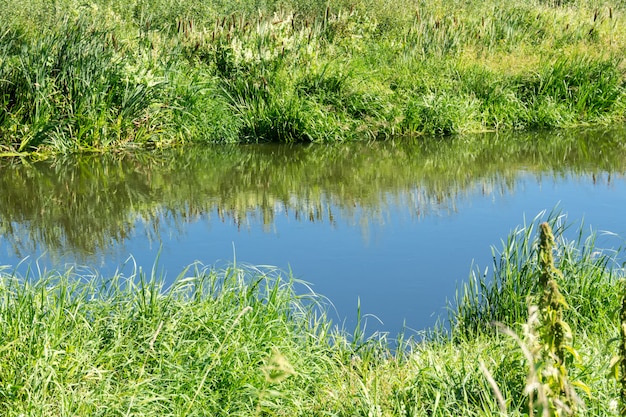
(205, 345)
(72, 87)
(622, 357)
(503, 297)
(556, 368)
(155, 73)
(550, 337)
(244, 341)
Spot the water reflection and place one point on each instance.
(88, 205)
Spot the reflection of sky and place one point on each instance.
(400, 265)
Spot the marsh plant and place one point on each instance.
(546, 343)
(118, 74)
(549, 338)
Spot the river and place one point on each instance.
(394, 227)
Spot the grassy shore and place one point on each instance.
(115, 74)
(243, 342)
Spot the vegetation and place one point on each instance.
(534, 338)
(127, 73)
(245, 341)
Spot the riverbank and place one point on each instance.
(127, 74)
(242, 341)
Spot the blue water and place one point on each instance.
(402, 266)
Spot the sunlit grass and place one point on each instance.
(206, 344)
(159, 73)
(250, 341)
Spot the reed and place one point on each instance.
(503, 295)
(111, 75)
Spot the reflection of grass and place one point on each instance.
(86, 204)
(241, 341)
(108, 74)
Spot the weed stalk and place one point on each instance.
(554, 334)
(622, 355)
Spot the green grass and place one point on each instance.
(118, 74)
(251, 342)
(207, 345)
(590, 284)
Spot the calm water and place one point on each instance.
(396, 225)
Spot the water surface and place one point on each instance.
(393, 225)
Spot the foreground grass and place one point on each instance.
(241, 341)
(113, 74)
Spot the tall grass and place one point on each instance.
(212, 343)
(503, 296)
(72, 82)
(118, 74)
(246, 341)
